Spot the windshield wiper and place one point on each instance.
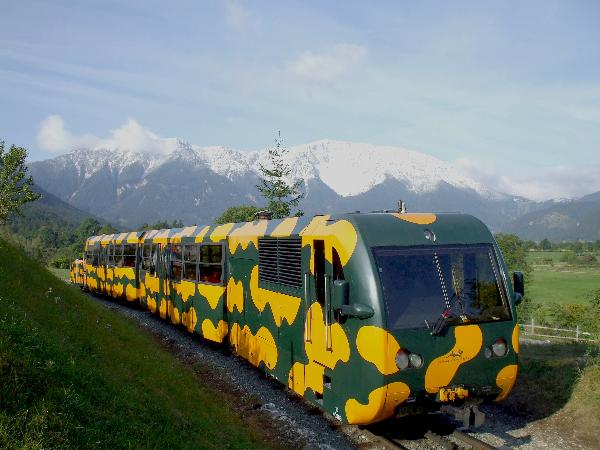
(442, 323)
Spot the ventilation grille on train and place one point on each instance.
(280, 261)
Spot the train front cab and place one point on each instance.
(411, 269)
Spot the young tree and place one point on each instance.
(514, 253)
(15, 188)
(274, 187)
(241, 213)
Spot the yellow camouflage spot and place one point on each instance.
(92, 283)
(515, 338)
(185, 289)
(174, 314)
(187, 231)
(316, 347)
(283, 306)
(254, 348)
(132, 238)
(216, 334)
(212, 293)
(220, 232)
(442, 369)
(246, 234)
(285, 228)
(310, 375)
(235, 295)
(200, 236)
(378, 347)
(417, 218)
(340, 234)
(118, 289)
(506, 379)
(163, 308)
(160, 237)
(189, 319)
(307, 376)
(381, 405)
(131, 293)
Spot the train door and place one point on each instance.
(110, 269)
(102, 269)
(162, 290)
(323, 276)
(322, 331)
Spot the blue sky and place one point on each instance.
(508, 90)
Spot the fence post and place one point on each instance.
(532, 325)
(577, 333)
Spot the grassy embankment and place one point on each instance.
(76, 375)
(561, 380)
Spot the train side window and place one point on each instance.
(89, 256)
(93, 256)
(119, 255)
(154, 260)
(146, 256)
(110, 260)
(176, 262)
(190, 262)
(129, 255)
(211, 264)
(338, 269)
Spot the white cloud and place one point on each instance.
(54, 137)
(237, 16)
(543, 183)
(131, 136)
(330, 65)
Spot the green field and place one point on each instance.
(570, 285)
(559, 282)
(539, 257)
(74, 374)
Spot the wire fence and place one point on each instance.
(534, 330)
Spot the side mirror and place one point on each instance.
(358, 310)
(341, 293)
(518, 287)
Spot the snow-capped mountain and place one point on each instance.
(196, 184)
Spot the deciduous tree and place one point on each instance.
(513, 251)
(241, 213)
(15, 187)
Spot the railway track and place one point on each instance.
(436, 435)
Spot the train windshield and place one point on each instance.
(421, 283)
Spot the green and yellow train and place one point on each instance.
(363, 315)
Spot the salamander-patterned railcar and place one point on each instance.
(363, 315)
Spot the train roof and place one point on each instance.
(376, 228)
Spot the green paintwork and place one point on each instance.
(354, 378)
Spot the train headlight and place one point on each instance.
(416, 360)
(487, 352)
(402, 359)
(499, 347)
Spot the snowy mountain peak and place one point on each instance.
(347, 168)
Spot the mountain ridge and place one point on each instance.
(196, 184)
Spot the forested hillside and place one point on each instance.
(52, 231)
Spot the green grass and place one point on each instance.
(74, 374)
(62, 274)
(560, 382)
(539, 257)
(568, 285)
